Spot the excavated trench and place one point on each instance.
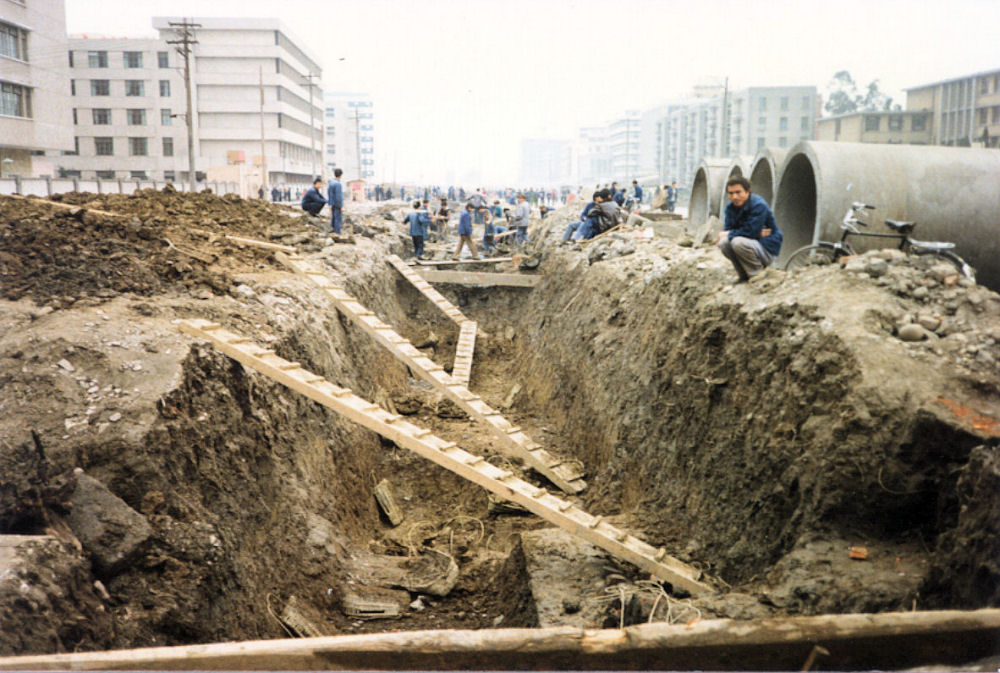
(755, 432)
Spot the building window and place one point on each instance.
(75, 122)
(895, 122)
(330, 131)
(105, 175)
(784, 102)
(760, 143)
(995, 114)
(102, 116)
(71, 58)
(100, 87)
(169, 176)
(919, 123)
(137, 175)
(332, 149)
(97, 59)
(104, 147)
(133, 59)
(872, 122)
(782, 141)
(984, 85)
(805, 124)
(982, 115)
(15, 100)
(763, 105)
(806, 102)
(134, 87)
(135, 117)
(331, 113)
(783, 124)
(72, 87)
(163, 59)
(13, 42)
(168, 147)
(761, 122)
(166, 119)
(138, 147)
(164, 88)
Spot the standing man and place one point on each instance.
(335, 195)
(636, 193)
(522, 215)
(671, 196)
(750, 238)
(465, 233)
(478, 202)
(418, 220)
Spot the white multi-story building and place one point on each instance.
(623, 145)
(546, 162)
(35, 108)
(349, 134)
(593, 160)
(128, 110)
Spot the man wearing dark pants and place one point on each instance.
(335, 195)
(312, 200)
(750, 238)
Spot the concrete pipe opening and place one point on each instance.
(795, 205)
(764, 172)
(739, 167)
(708, 180)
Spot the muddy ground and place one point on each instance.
(757, 431)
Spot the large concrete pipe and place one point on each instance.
(739, 167)
(708, 180)
(952, 193)
(764, 173)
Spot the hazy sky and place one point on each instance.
(458, 83)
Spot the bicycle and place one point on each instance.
(824, 252)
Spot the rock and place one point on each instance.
(418, 604)
(941, 272)
(929, 322)
(115, 417)
(245, 291)
(429, 341)
(920, 293)
(65, 364)
(891, 254)
(912, 332)
(876, 267)
(509, 333)
(112, 533)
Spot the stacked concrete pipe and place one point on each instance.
(708, 180)
(952, 193)
(764, 173)
(739, 167)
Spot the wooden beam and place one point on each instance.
(462, 369)
(64, 206)
(891, 641)
(261, 244)
(426, 289)
(459, 262)
(479, 278)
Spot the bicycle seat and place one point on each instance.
(931, 245)
(901, 227)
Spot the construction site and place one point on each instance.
(229, 440)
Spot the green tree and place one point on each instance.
(843, 96)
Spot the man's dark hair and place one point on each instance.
(606, 194)
(319, 180)
(635, 182)
(337, 172)
(469, 206)
(741, 181)
(416, 204)
(596, 194)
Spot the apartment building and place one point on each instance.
(349, 134)
(35, 108)
(901, 126)
(965, 110)
(623, 145)
(545, 162)
(592, 157)
(128, 111)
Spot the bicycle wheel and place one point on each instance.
(951, 258)
(811, 255)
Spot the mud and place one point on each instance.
(757, 431)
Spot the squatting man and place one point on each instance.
(750, 238)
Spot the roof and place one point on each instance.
(954, 79)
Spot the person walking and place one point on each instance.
(465, 233)
(522, 215)
(335, 195)
(418, 221)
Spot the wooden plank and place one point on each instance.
(427, 290)
(423, 442)
(459, 262)
(64, 206)
(260, 244)
(888, 641)
(517, 445)
(479, 278)
(462, 369)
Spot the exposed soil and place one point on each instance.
(757, 431)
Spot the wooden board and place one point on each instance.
(427, 289)
(888, 641)
(261, 244)
(512, 440)
(462, 369)
(448, 455)
(64, 206)
(479, 278)
(459, 262)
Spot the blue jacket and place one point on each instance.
(465, 224)
(586, 211)
(619, 197)
(335, 194)
(638, 192)
(419, 221)
(312, 196)
(748, 221)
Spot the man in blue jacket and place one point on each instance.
(312, 200)
(637, 193)
(750, 238)
(335, 195)
(418, 221)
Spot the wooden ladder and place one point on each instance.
(462, 369)
(427, 290)
(515, 442)
(503, 483)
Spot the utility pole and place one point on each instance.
(357, 141)
(263, 155)
(312, 123)
(183, 46)
(722, 131)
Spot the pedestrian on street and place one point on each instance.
(418, 221)
(465, 233)
(335, 195)
(522, 215)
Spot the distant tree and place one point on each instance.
(843, 96)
